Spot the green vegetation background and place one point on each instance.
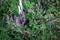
(43, 15)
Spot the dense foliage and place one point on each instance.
(42, 20)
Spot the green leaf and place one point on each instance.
(43, 27)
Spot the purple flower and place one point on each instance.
(17, 22)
